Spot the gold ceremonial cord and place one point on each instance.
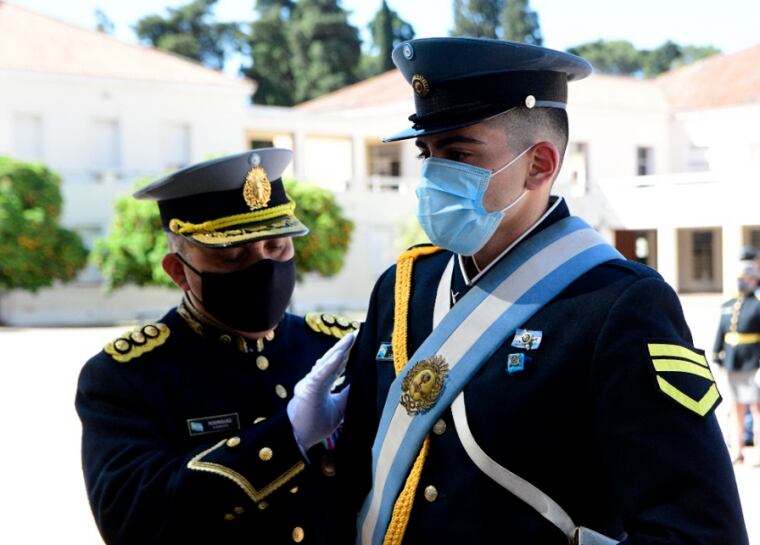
(403, 506)
(180, 227)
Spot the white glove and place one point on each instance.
(314, 411)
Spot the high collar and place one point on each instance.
(202, 326)
(556, 211)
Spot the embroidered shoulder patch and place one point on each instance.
(330, 324)
(136, 342)
(684, 376)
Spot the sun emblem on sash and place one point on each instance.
(257, 190)
(423, 384)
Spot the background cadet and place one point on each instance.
(737, 350)
(192, 431)
(608, 364)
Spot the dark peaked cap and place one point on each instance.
(461, 81)
(228, 201)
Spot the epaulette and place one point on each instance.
(136, 342)
(330, 324)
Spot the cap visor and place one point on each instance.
(413, 133)
(283, 226)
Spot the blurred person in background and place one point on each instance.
(737, 351)
(198, 428)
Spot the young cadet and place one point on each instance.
(518, 320)
(196, 428)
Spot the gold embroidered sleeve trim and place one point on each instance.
(197, 464)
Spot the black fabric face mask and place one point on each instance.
(252, 299)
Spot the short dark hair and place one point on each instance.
(525, 126)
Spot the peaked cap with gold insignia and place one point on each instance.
(228, 201)
(461, 81)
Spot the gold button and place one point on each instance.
(239, 510)
(431, 494)
(225, 339)
(328, 469)
(262, 505)
(281, 391)
(260, 419)
(294, 490)
(265, 454)
(229, 516)
(232, 442)
(298, 534)
(439, 428)
(262, 363)
(137, 337)
(269, 336)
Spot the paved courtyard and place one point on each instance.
(42, 498)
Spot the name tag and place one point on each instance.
(213, 424)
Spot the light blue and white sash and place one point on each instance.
(516, 287)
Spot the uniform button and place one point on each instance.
(265, 454)
(259, 419)
(328, 469)
(225, 339)
(298, 534)
(431, 493)
(232, 442)
(439, 428)
(262, 363)
(262, 505)
(239, 510)
(281, 391)
(294, 490)
(229, 517)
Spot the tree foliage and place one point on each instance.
(136, 244)
(301, 50)
(504, 19)
(36, 250)
(620, 57)
(388, 30)
(189, 31)
(519, 23)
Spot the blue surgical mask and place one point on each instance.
(450, 204)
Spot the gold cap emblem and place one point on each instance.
(423, 384)
(257, 190)
(420, 85)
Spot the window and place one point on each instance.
(175, 145)
(256, 144)
(384, 166)
(105, 149)
(27, 137)
(700, 260)
(644, 163)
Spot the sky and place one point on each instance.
(730, 25)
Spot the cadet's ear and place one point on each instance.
(176, 271)
(544, 165)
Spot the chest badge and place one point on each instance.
(385, 352)
(515, 363)
(423, 384)
(527, 339)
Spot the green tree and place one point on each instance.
(325, 48)
(520, 23)
(477, 18)
(660, 59)
(270, 49)
(103, 23)
(36, 250)
(189, 31)
(301, 50)
(618, 57)
(136, 244)
(388, 30)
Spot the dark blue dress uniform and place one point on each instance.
(186, 437)
(737, 344)
(587, 419)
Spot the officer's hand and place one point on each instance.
(314, 411)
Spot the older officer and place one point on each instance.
(737, 350)
(521, 382)
(196, 428)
